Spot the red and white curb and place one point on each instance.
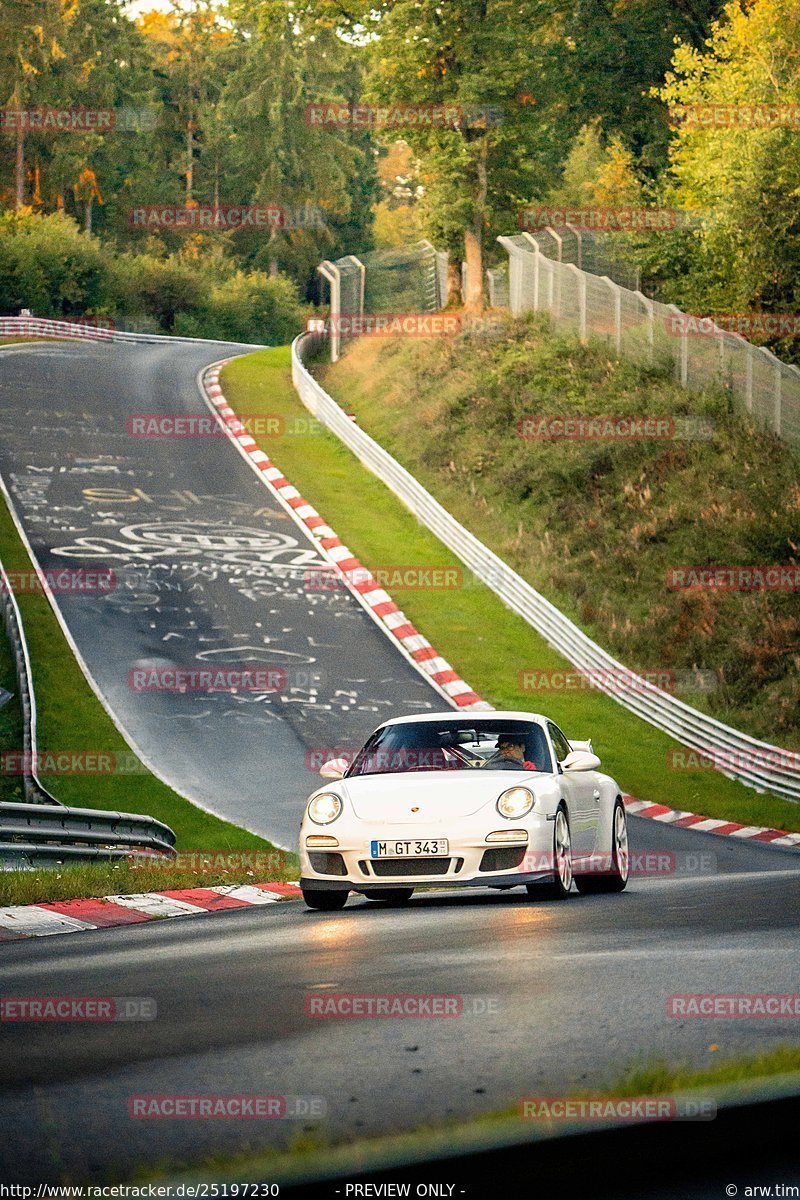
(700, 824)
(354, 574)
(77, 916)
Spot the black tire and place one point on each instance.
(390, 896)
(325, 901)
(558, 886)
(616, 878)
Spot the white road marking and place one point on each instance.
(252, 895)
(39, 921)
(155, 905)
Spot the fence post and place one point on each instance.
(579, 239)
(363, 271)
(778, 392)
(580, 279)
(748, 384)
(651, 322)
(681, 362)
(439, 263)
(514, 274)
(536, 270)
(617, 293)
(557, 238)
(442, 276)
(330, 271)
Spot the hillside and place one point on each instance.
(598, 525)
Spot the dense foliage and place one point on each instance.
(49, 265)
(552, 102)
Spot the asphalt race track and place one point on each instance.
(209, 571)
(555, 997)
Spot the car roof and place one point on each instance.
(477, 718)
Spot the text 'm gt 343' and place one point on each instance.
(499, 799)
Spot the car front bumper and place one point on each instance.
(469, 862)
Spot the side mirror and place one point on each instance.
(334, 768)
(580, 760)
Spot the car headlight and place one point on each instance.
(324, 808)
(514, 803)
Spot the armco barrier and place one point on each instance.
(37, 834)
(43, 831)
(757, 764)
(12, 622)
(45, 327)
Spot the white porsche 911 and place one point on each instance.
(430, 801)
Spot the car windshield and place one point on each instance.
(453, 745)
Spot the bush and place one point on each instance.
(49, 266)
(249, 308)
(160, 287)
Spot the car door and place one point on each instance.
(582, 796)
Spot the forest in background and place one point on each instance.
(556, 104)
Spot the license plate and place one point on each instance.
(410, 849)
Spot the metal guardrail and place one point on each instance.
(33, 790)
(43, 831)
(24, 326)
(33, 833)
(757, 764)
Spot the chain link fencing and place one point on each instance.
(408, 279)
(603, 307)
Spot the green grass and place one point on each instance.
(310, 1153)
(486, 643)
(11, 727)
(70, 717)
(15, 341)
(660, 1078)
(80, 881)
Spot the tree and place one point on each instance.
(744, 182)
(33, 30)
(275, 155)
(615, 53)
(470, 60)
(473, 57)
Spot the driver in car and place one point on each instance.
(510, 755)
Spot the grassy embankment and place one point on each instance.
(596, 526)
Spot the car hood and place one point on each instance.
(438, 795)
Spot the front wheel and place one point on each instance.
(558, 886)
(615, 878)
(390, 895)
(325, 901)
